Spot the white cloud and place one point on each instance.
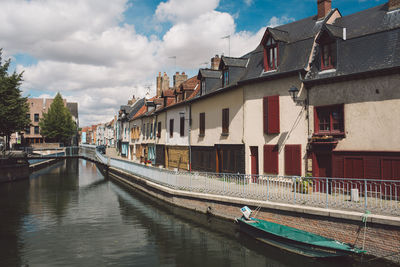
(275, 21)
(85, 51)
(248, 2)
(183, 10)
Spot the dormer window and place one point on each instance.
(225, 78)
(271, 55)
(328, 55)
(203, 87)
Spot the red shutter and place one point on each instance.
(293, 160)
(271, 159)
(273, 114)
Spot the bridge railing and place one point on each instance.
(378, 196)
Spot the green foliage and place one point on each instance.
(13, 107)
(57, 124)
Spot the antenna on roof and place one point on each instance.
(148, 86)
(229, 43)
(174, 57)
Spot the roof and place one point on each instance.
(233, 61)
(209, 73)
(136, 107)
(373, 32)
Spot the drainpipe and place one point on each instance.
(189, 134)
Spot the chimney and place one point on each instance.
(164, 82)
(393, 5)
(179, 79)
(158, 86)
(324, 7)
(215, 62)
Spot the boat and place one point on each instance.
(292, 239)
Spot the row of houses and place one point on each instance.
(319, 96)
(99, 134)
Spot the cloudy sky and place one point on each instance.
(101, 52)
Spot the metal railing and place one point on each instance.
(377, 196)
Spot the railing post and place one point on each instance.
(365, 194)
(294, 190)
(327, 191)
(223, 176)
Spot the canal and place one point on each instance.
(71, 214)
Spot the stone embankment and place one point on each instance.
(382, 233)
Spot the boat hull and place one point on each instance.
(293, 246)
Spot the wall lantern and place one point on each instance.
(293, 91)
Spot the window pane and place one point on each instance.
(323, 118)
(275, 56)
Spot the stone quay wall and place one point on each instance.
(382, 233)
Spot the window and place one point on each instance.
(271, 159)
(202, 122)
(155, 129)
(203, 87)
(271, 55)
(28, 116)
(271, 114)
(36, 117)
(159, 129)
(225, 81)
(28, 130)
(328, 55)
(329, 120)
(225, 121)
(151, 130)
(36, 129)
(182, 126)
(171, 128)
(293, 160)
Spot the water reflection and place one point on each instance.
(69, 214)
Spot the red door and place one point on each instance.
(254, 162)
(322, 168)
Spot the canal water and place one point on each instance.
(71, 214)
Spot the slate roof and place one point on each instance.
(208, 73)
(372, 43)
(136, 107)
(233, 62)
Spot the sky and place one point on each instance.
(100, 53)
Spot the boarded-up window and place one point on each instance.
(271, 114)
(202, 126)
(271, 159)
(171, 128)
(182, 126)
(293, 160)
(225, 121)
(159, 129)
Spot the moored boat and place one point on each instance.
(294, 240)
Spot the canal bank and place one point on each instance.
(382, 233)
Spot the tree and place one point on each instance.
(57, 124)
(13, 107)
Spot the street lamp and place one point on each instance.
(293, 91)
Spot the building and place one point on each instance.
(38, 106)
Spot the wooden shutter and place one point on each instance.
(202, 121)
(159, 129)
(271, 159)
(182, 126)
(171, 127)
(293, 160)
(273, 114)
(225, 120)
